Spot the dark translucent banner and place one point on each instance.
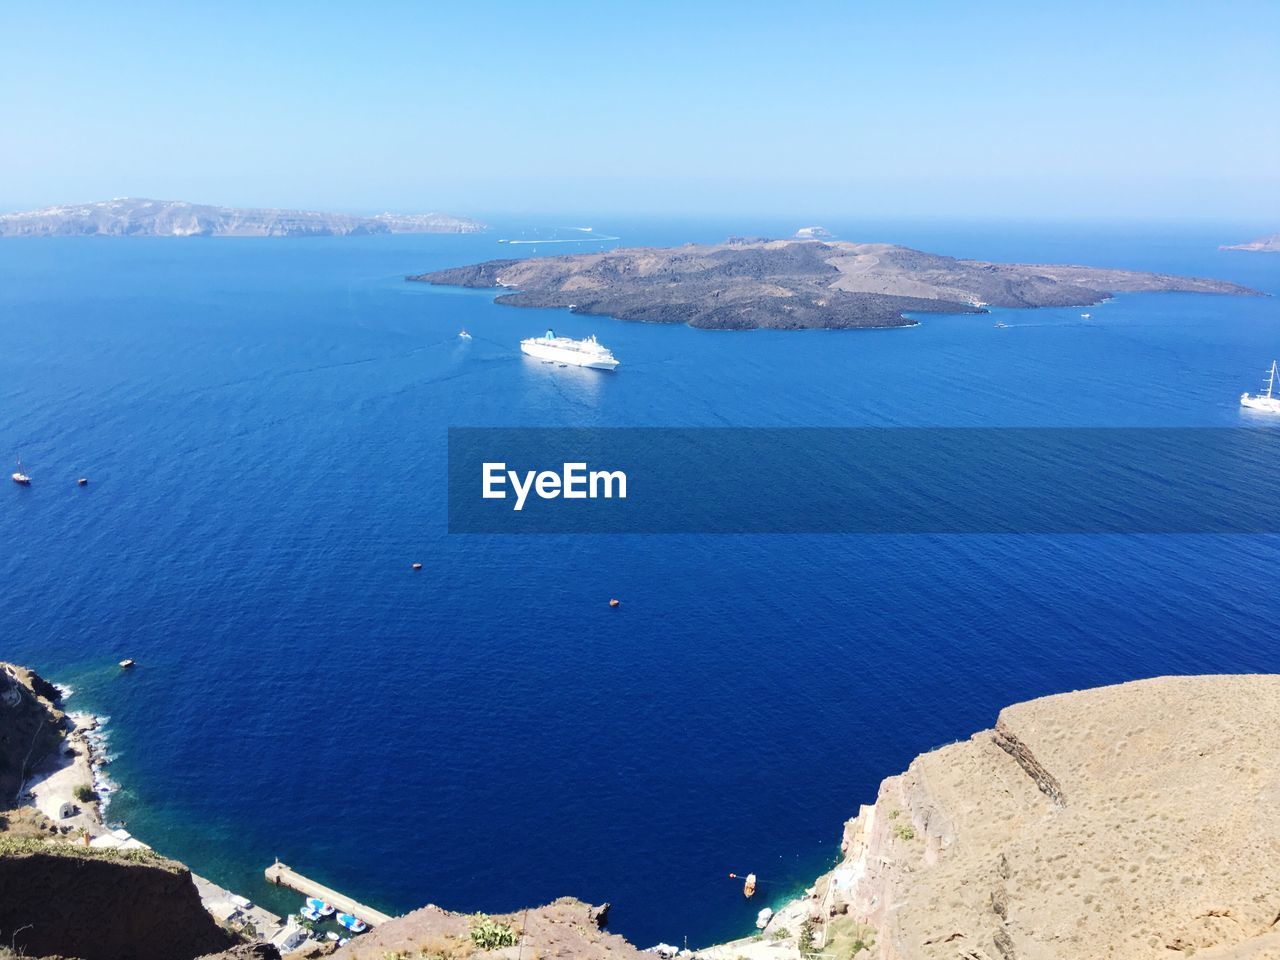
(864, 480)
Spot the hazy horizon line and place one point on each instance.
(582, 216)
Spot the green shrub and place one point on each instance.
(904, 831)
(805, 943)
(488, 934)
(84, 793)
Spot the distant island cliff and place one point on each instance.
(132, 217)
(1269, 244)
(796, 284)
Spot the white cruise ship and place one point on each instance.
(1267, 402)
(581, 353)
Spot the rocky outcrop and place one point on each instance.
(794, 284)
(31, 727)
(129, 217)
(565, 928)
(57, 899)
(1134, 821)
(246, 951)
(1007, 740)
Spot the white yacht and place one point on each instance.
(1266, 402)
(581, 353)
(20, 477)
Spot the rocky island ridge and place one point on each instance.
(1269, 244)
(748, 283)
(139, 217)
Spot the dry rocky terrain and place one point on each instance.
(794, 284)
(565, 928)
(1130, 822)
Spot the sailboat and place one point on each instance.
(20, 477)
(1266, 402)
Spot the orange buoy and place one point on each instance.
(417, 566)
(613, 603)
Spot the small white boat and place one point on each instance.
(307, 913)
(320, 907)
(1000, 324)
(1264, 402)
(354, 924)
(332, 936)
(1085, 316)
(463, 335)
(20, 477)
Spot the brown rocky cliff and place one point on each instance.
(565, 928)
(30, 727)
(1135, 821)
(64, 900)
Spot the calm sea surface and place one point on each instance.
(263, 423)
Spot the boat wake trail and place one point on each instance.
(591, 239)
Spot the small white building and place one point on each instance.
(67, 810)
(290, 938)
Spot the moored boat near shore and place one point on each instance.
(320, 907)
(354, 924)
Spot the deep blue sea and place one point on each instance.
(263, 423)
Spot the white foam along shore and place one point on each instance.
(84, 761)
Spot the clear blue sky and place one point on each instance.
(1118, 109)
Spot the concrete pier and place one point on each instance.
(286, 876)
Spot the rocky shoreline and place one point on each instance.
(66, 795)
(1129, 822)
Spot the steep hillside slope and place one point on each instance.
(60, 899)
(1126, 822)
(30, 727)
